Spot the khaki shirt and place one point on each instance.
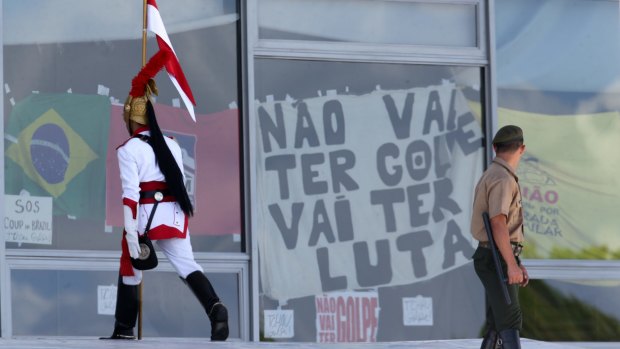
(497, 193)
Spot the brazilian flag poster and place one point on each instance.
(55, 146)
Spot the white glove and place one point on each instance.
(131, 227)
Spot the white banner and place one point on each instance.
(364, 191)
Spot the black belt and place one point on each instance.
(517, 248)
(150, 194)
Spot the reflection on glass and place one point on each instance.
(81, 303)
(366, 174)
(568, 109)
(65, 83)
(582, 311)
(369, 21)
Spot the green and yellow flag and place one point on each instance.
(56, 146)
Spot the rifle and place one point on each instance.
(498, 265)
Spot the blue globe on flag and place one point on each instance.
(50, 153)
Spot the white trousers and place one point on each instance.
(180, 254)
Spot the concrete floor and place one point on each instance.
(193, 343)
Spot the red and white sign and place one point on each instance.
(344, 317)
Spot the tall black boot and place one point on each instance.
(490, 340)
(126, 311)
(217, 312)
(510, 339)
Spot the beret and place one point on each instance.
(509, 133)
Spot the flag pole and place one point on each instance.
(144, 6)
(144, 33)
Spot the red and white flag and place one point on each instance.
(156, 25)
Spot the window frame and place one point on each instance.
(237, 263)
(356, 53)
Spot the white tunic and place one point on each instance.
(137, 165)
(138, 168)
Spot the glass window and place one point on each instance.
(571, 310)
(568, 108)
(365, 174)
(65, 82)
(81, 303)
(370, 21)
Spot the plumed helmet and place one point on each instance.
(142, 87)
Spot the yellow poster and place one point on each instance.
(570, 183)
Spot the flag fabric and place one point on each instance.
(56, 147)
(210, 149)
(570, 188)
(155, 24)
(569, 183)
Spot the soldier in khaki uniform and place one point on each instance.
(498, 193)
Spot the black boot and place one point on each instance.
(120, 332)
(510, 339)
(126, 311)
(490, 340)
(217, 312)
(219, 322)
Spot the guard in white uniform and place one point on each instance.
(151, 163)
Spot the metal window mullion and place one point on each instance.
(55, 264)
(370, 47)
(244, 302)
(481, 28)
(110, 263)
(365, 58)
(570, 269)
(245, 278)
(490, 108)
(251, 15)
(289, 49)
(96, 255)
(5, 291)
(453, 2)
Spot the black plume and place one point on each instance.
(167, 164)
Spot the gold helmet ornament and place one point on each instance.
(142, 87)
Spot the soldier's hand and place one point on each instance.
(515, 275)
(133, 244)
(131, 230)
(526, 277)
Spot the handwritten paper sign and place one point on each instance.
(28, 219)
(279, 323)
(106, 300)
(418, 311)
